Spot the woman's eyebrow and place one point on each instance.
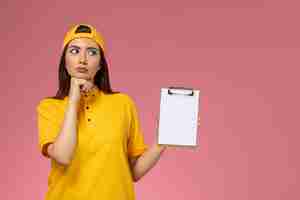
(77, 47)
(93, 48)
(74, 46)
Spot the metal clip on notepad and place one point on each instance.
(182, 91)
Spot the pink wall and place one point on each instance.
(242, 54)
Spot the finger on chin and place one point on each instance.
(83, 88)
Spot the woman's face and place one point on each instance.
(82, 58)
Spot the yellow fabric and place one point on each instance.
(94, 35)
(100, 167)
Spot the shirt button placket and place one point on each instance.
(87, 107)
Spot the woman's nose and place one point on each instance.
(83, 58)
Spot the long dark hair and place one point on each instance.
(101, 79)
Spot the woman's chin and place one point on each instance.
(82, 76)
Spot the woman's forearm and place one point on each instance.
(147, 160)
(62, 149)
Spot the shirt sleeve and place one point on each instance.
(136, 144)
(48, 125)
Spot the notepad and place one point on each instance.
(178, 117)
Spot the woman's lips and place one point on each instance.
(81, 69)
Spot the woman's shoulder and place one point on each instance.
(124, 98)
(49, 103)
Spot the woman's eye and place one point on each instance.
(73, 51)
(92, 52)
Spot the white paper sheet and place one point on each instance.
(178, 119)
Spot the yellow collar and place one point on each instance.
(92, 93)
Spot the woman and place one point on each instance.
(91, 134)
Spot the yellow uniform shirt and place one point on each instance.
(108, 133)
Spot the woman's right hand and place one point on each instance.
(77, 87)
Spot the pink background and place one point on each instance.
(242, 54)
